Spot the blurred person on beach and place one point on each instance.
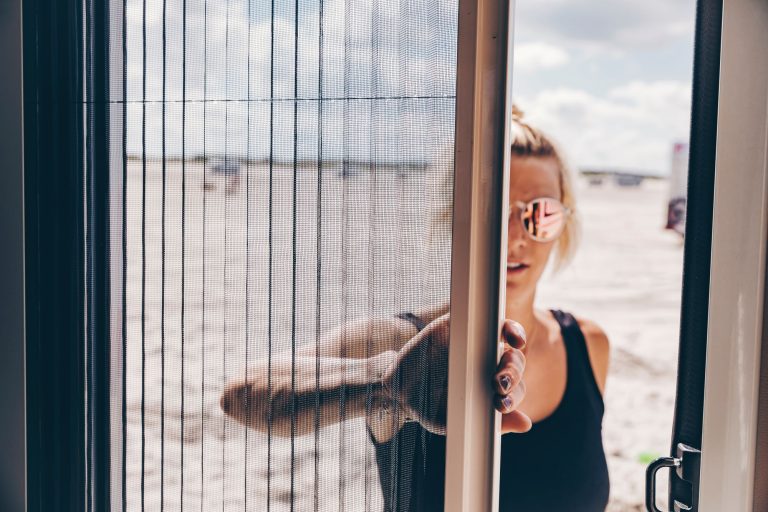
(548, 384)
(230, 170)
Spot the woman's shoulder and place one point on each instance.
(598, 347)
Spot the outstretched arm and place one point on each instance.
(294, 395)
(347, 378)
(350, 376)
(285, 398)
(367, 337)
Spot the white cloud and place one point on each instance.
(536, 55)
(611, 27)
(402, 53)
(392, 51)
(632, 127)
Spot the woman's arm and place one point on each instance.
(293, 397)
(367, 337)
(293, 394)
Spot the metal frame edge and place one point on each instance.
(737, 276)
(477, 297)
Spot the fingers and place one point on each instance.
(512, 358)
(508, 402)
(513, 333)
(509, 373)
(517, 422)
(236, 401)
(508, 380)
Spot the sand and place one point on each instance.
(626, 277)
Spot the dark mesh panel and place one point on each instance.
(287, 184)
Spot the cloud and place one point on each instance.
(381, 50)
(614, 26)
(532, 56)
(390, 50)
(632, 127)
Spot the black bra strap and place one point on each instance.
(410, 317)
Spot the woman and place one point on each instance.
(552, 454)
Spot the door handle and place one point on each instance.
(650, 480)
(687, 465)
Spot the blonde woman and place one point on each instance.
(548, 384)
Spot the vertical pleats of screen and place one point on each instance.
(287, 172)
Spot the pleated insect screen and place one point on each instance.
(287, 182)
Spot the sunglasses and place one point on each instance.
(543, 218)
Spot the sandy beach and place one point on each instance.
(626, 277)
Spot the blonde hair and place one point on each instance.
(529, 141)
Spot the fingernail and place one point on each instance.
(507, 403)
(505, 382)
(519, 330)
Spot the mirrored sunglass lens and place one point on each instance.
(544, 218)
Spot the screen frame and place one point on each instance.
(478, 285)
(12, 373)
(733, 389)
(55, 238)
(73, 191)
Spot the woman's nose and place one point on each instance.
(516, 235)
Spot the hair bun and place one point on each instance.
(517, 114)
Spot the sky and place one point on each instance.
(610, 80)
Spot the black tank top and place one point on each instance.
(559, 465)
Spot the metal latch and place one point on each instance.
(687, 464)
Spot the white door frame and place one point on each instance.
(737, 278)
(483, 105)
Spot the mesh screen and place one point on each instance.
(286, 183)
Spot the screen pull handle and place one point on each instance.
(687, 464)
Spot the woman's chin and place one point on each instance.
(517, 276)
(518, 280)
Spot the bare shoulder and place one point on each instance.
(599, 350)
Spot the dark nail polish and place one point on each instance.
(505, 382)
(507, 403)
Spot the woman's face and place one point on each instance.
(529, 178)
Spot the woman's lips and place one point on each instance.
(516, 268)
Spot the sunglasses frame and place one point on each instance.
(522, 206)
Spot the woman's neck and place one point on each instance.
(520, 309)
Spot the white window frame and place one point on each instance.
(737, 277)
(483, 106)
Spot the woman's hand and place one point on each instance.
(508, 379)
(289, 396)
(415, 387)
